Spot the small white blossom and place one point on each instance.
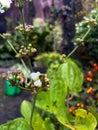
(75, 43)
(80, 24)
(38, 83)
(35, 76)
(85, 18)
(2, 10)
(88, 26)
(4, 4)
(93, 11)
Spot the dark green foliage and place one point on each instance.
(91, 41)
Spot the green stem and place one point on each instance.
(23, 23)
(24, 65)
(32, 112)
(17, 53)
(30, 65)
(22, 16)
(23, 88)
(72, 51)
(14, 51)
(85, 35)
(12, 46)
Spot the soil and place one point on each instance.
(10, 105)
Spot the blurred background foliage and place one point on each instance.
(48, 37)
(91, 41)
(83, 7)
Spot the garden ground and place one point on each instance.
(10, 106)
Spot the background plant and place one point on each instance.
(90, 43)
(50, 109)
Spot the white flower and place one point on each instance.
(93, 11)
(38, 83)
(4, 4)
(35, 76)
(75, 43)
(2, 10)
(88, 26)
(85, 18)
(80, 23)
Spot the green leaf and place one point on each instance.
(37, 121)
(48, 124)
(93, 111)
(84, 120)
(72, 75)
(26, 108)
(16, 124)
(53, 100)
(62, 127)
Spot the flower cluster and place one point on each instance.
(20, 3)
(89, 76)
(90, 85)
(16, 78)
(35, 83)
(38, 82)
(92, 22)
(89, 22)
(90, 90)
(89, 95)
(26, 51)
(73, 108)
(27, 28)
(95, 67)
(79, 41)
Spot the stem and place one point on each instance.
(12, 47)
(85, 35)
(22, 16)
(72, 51)
(23, 63)
(32, 112)
(23, 23)
(23, 88)
(30, 65)
(17, 53)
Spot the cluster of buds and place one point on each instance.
(38, 82)
(90, 91)
(95, 67)
(16, 78)
(20, 3)
(89, 76)
(26, 52)
(6, 35)
(62, 58)
(92, 22)
(79, 41)
(28, 28)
